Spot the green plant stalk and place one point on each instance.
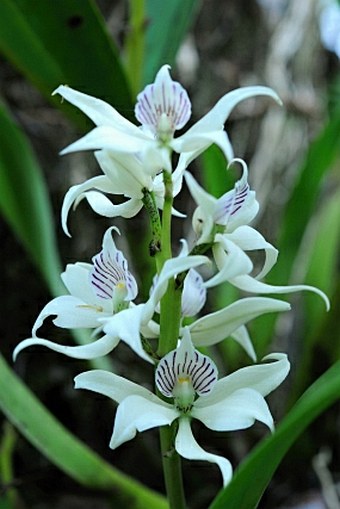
(155, 221)
(170, 316)
(171, 302)
(172, 468)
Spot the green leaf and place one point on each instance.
(24, 201)
(167, 25)
(216, 178)
(134, 45)
(64, 44)
(257, 470)
(299, 210)
(319, 159)
(9, 498)
(65, 451)
(320, 260)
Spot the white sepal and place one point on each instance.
(92, 350)
(249, 284)
(136, 413)
(214, 327)
(237, 411)
(230, 260)
(248, 239)
(188, 448)
(263, 378)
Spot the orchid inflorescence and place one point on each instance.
(136, 162)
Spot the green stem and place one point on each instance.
(170, 316)
(156, 227)
(171, 302)
(170, 319)
(172, 468)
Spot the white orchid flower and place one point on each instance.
(131, 157)
(162, 108)
(222, 324)
(130, 323)
(123, 175)
(96, 291)
(101, 298)
(189, 380)
(230, 215)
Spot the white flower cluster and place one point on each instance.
(102, 294)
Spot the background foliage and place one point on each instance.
(111, 50)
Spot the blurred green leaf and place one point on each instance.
(24, 201)
(319, 254)
(134, 45)
(66, 43)
(299, 211)
(302, 202)
(167, 24)
(25, 204)
(321, 258)
(216, 178)
(9, 497)
(65, 451)
(255, 473)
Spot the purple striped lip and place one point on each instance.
(229, 204)
(196, 368)
(109, 271)
(160, 98)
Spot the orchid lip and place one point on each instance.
(185, 369)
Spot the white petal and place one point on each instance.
(150, 330)
(126, 325)
(248, 239)
(100, 112)
(263, 378)
(188, 448)
(164, 96)
(238, 410)
(71, 313)
(177, 180)
(230, 260)
(214, 327)
(209, 129)
(97, 348)
(76, 279)
(194, 294)
(113, 386)
(203, 219)
(241, 336)
(218, 115)
(125, 172)
(109, 138)
(136, 413)
(101, 183)
(103, 206)
(196, 142)
(249, 284)
(159, 191)
(238, 206)
(170, 269)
